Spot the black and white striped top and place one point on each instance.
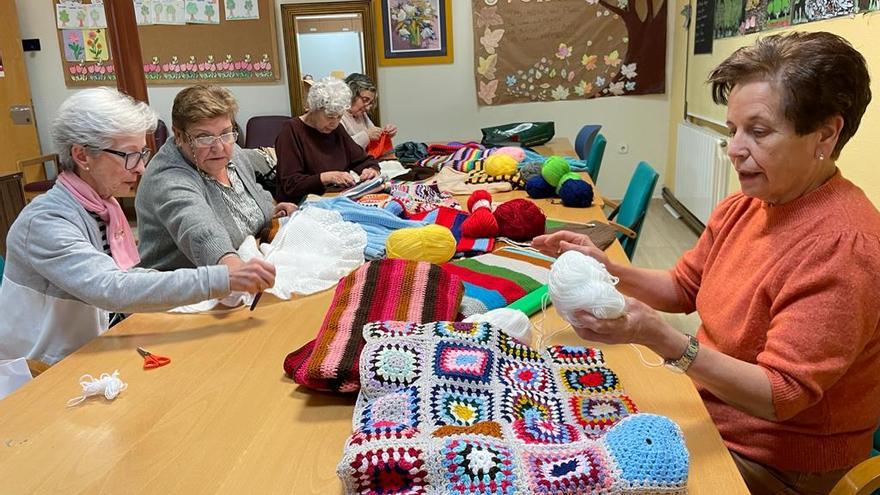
(102, 227)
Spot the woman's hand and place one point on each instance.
(253, 276)
(337, 179)
(369, 173)
(640, 324)
(374, 133)
(559, 242)
(391, 130)
(284, 210)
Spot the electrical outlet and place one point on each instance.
(623, 149)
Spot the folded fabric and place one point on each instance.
(602, 234)
(410, 152)
(453, 182)
(452, 219)
(464, 159)
(417, 198)
(392, 168)
(379, 290)
(377, 223)
(443, 149)
(463, 408)
(496, 279)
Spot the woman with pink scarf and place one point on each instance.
(71, 256)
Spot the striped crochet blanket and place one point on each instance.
(463, 160)
(494, 280)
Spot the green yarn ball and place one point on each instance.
(554, 168)
(565, 177)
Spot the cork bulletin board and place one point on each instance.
(228, 51)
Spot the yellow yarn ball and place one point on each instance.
(499, 164)
(431, 243)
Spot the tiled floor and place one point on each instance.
(663, 240)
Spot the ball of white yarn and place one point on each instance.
(513, 322)
(579, 282)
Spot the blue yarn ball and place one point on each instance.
(575, 193)
(538, 188)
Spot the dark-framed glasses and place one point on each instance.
(132, 158)
(367, 100)
(208, 141)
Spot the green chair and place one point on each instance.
(594, 159)
(630, 214)
(2, 266)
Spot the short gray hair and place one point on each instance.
(359, 82)
(94, 117)
(331, 95)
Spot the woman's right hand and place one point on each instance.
(374, 133)
(252, 276)
(337, 179)
(559, 242)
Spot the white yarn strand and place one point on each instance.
(579, 282)
(109, 385)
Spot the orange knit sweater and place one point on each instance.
(794, 288)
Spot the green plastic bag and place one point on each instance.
(525, 134)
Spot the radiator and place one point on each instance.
(701, 169)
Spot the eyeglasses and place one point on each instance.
(131, 159)
(366, 100)
(208, 141)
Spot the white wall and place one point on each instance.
(432, 102)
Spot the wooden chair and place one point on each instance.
(33, 173)
(864, 479)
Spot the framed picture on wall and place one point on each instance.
(414, 32)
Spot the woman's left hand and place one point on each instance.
(640, 324)
(391, 130)
(369, 173)
(284, 210)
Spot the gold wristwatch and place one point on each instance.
(682, 364)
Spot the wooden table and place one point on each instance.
(223, 418)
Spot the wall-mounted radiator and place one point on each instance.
(701, 169)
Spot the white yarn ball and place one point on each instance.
(513, 322)
(579, 282)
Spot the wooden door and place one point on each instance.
(17, 140)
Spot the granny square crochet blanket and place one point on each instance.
(462, 408)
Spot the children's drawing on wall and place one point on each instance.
(70, 15)
(816, 10)
(202, 12)
(143, 12)
(74, 45)
(95, 16)
(755, 16)
(96, 45)
(778, 13)
(728, 18)
(169, 12)
(242, 10)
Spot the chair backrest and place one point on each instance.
(594, 160)
(160, 134)
(262, 130)
(634, 205)
(2, 266)
(34, 169)
(584, 140)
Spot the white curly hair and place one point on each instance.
(330, 94)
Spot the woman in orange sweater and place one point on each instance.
(785, 276)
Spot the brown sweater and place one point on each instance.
(304, 153)
(793, 288)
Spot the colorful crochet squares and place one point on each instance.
(462, 362)
(461, 408)
(568, 472)
(390, 471)
(475, 466)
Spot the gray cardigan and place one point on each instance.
(183, 221)
(59, 285)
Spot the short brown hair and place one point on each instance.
(200, 102)
(818, 74)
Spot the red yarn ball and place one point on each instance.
(480, 223)
(520, 220)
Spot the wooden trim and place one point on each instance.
(863, 479)
(442, 59)
(623, 230)
(720, 129)
(289, 12)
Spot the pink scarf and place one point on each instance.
(122, 246)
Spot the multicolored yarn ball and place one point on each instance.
(538, 188)
(530, 169)
(480, 223)
(554, 168)
(520, 219)
(497, 165)
(576, 193)
(514, 152)
(431, 243)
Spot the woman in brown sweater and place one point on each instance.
(315, 152)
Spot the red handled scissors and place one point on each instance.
(151, 360)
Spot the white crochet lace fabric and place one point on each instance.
(462, 408)
(312, 250)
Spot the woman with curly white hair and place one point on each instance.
(70, 253)
(314, 151)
